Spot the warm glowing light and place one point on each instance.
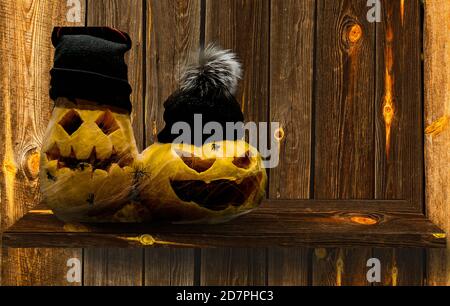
(355, 33)
(364, 220)
(41, 212)
(279, 134)
(440, 235)
(402, 10)
(388, 100)
(339, 268)
(154, 129)
(9, 167)
(33, 161)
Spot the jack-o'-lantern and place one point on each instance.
(211, 181)
(87, 160)
(89, 149)
(209, 184)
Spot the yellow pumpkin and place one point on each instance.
(209, 184)
(87, 162)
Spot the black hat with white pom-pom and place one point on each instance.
(207, 88)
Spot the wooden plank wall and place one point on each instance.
(312, 65)
(437, 119)
(26, 54)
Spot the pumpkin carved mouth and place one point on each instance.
(71, 161)
(216, 195)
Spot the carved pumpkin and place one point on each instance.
(209, 184)
(87, 162)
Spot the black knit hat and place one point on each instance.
(89, 64)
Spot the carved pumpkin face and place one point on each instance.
(87, 161)
(208, 184)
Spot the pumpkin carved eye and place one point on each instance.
(107, 123)
(196, 163)
(71, 122)
(243, 162)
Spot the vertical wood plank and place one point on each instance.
(398, 105)
(242, 26)
(26, 54)
(172, 36)
(169, 267)
(291, 86)
(37, 267)
(437, 141)
(398, 119)
(119, 267)
(127, 16)
(344, 151)
(340, 267)
(401, 267)
(112, 267)
(233, 267)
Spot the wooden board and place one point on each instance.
(291, 104)
(398, 94)
(437, 141)
(401, 267)
(170, 267)
(26, 54)
(112, 267)
(127, 16)
(172, 36)
(326, 153)
(39, 266)
(275, 224)
(243, 26)
(344, 144)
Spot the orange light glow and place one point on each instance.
(355, 33)
(33, 161)
(402, 10)
(8, 167)
(155, 129)
(388, 100)
(364, 220)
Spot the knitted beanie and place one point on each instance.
(89, 64)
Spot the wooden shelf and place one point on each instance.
(275, 224)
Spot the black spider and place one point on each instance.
(215, 147)
(51, 176)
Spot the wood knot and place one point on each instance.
(279, 134)
(320, 253)
(355, 33)
(31, 164)
(147, 240)
(364, 220)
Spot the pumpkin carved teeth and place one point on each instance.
(217, 195)
(92, 161)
